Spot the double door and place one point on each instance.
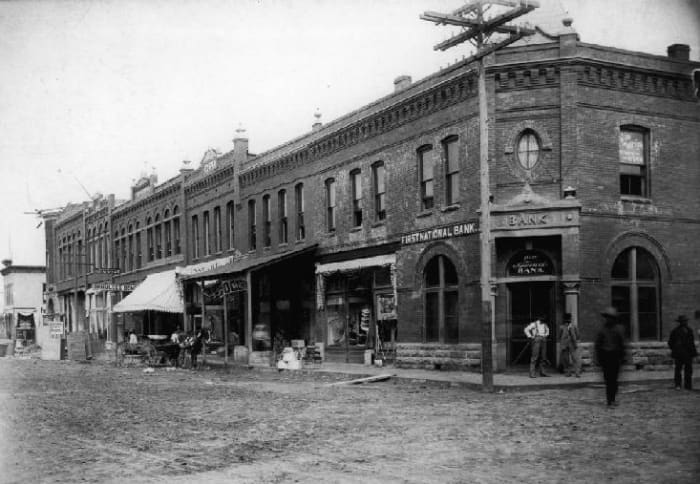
(528, 300)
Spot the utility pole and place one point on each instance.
(478, 30)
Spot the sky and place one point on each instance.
(95, 93)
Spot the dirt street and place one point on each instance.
(68, 422)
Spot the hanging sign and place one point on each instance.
(530, 263)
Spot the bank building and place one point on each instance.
(363, 233)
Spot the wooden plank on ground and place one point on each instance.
(367, 379)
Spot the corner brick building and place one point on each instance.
(363, 233)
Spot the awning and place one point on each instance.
(158, 292)
(246, 263)
(356, 264)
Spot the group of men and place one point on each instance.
(609, 350)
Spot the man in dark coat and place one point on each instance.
(682, 344)
(610, 352)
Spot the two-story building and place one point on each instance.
(364, 232)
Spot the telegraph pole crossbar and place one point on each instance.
(478, 30)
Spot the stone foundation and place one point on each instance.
(645, 355)
(436, 356)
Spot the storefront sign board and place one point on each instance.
(443, 232)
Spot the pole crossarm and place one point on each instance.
(478, 26)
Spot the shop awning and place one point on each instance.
(356, 264)
(158, 292)
(246, 263)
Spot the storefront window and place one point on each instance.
(441, 301)
(635, 293)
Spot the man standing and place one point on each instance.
(610, 352)
(570, 355)
(538, 332)
(682, 344)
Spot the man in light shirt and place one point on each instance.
(538, 332)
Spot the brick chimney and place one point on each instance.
(240, 156)
(401, 83)
(679, 52)
(186, 167)
(240, 147)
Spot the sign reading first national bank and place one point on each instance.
(443, 232)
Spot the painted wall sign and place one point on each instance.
(437, 233)
(530, 263)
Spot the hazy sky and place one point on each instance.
(96, 92)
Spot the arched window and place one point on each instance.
(159, 238)
(635, 293)
(176, 230)
(441, 291)
(167, 233)
(149, 240)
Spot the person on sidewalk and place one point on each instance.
(537, 331)
(176, 339)
(682, 344)
(570, 355)
(610, 352)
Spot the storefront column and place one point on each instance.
(499, 348)
(249, 314)
(571, 292)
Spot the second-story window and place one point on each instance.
(251, 225)
(195, 237)
(159, 238)
(229, 224)
(130, 265)
(356, 182)
(634, 160)
(217, 229)
(149, 240)
(299, 204)
(425, 163)
(167, 228)
(267, 220)
(206, 232)
(330, 205)
(379, 190)
(176, 230)
(450, 147)
(138, 246)
(282, 213)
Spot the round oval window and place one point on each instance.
(528, 150)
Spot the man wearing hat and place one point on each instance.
(538, 331)
(682, 344)
(610, 352)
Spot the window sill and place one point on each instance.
(635, 199)
(356, 229)
(380, 223)
(450, 208)
(424, 213)
(283, 245)
(267, 249)
(300, 241)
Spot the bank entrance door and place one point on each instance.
(527, 301)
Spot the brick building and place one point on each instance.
(363, 233)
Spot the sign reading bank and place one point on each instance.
(438, 233)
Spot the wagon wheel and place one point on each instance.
(151, 355)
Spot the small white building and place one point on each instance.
(23, 299)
